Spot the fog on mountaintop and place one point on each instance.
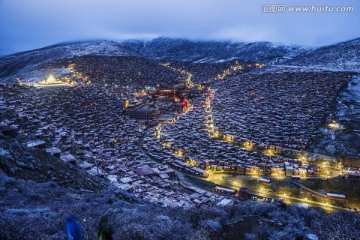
(31, 24)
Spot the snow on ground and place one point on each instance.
(4, 152)
(29, 62)
(314, 68)
(106, 48)
(344, 142)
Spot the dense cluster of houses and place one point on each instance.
(209, 72)
(282, 110)
(269, 141)
(86, 126)
(188, 146)
(141, 128)
(126, 72)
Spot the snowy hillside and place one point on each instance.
(25, 62)
(341, 56)
(212, 51)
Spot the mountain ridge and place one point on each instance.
(339, 56)
(208, 51)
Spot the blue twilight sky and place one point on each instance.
(29, 24)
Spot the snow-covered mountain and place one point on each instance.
(24, 62)
(212, 51)
(340, 56)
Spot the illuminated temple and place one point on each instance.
(51, 80)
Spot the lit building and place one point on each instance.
(51, 80)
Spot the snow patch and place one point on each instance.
(4, 152)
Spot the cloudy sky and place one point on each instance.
(29, 24)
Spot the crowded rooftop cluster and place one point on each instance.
(209, 72)
(151, 127)
(279, 110)
(219, 133)
(125, 72)
(188, 145)
(85, 126)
